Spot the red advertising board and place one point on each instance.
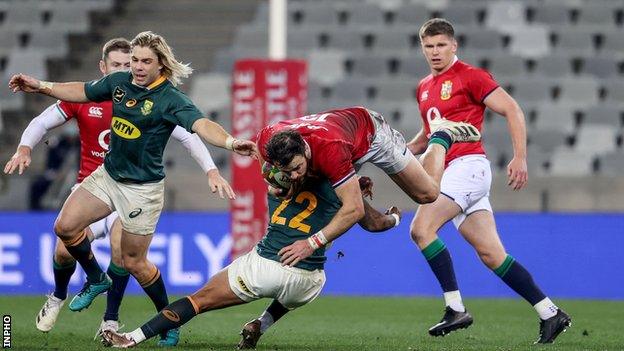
(263, 92)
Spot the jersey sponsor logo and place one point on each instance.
(130, 103)
(118, 95)
(445, 92)
(135, 213)
(125, 129)
(98, 154)
(95, 111)
(147, 107)
(171, 315)
(104, 138)
(243, 286)
(424, 96)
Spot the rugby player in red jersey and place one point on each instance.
(94, 121)
(456, 91)
(334, 144)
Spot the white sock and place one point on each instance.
(266, 320)
(453, 300)
(137, 335)
(546, 308)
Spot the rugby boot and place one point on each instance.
(49, 313)
(107, 325)
(460, 132)
(88, 293)
(170, 338)
(553, 326)
(250, 335)
(114, 339)
(452, 320)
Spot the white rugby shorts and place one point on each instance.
(388, 151)
(467, 181)
(138, 205)
(252, 277)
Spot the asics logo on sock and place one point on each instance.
(135, 213)
(170, 315)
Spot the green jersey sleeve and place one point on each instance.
(102, 89)
(183, 112)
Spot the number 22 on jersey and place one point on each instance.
(297, 221)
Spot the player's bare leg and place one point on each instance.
(134, 249)
(81, 209)
(214, 295)
(416, 183)
(479, 229)
(425, 225)
(421, 181)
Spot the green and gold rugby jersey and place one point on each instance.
(303, 215)
(143, 119)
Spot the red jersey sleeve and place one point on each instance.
(69, 110)
(261, 140)
(335, 163)
(481, 84)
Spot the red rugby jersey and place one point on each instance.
(94, 120)
(456, 95)
(337, 138)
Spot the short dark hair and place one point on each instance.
(284, 146)
(436, 26)
(116, 44)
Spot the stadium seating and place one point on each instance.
(563, 61)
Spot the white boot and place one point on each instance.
(48, 313)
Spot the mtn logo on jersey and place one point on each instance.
(95, 111)
(124, 128)
(445, 92)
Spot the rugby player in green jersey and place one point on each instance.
(259, 273)
(146, 108)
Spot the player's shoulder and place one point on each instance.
(116, 78)
(119, 76)
(175, 96)
(467, 70)
(426, 80)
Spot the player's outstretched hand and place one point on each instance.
(218, 183)
(295, 252)
(245, 148)
(366, 186)
(25, 83)
(517, 173)
(20, 160)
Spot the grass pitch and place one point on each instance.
(335, 323)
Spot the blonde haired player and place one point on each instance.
(146, 108)
(93, 121)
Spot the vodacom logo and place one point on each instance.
(103, 139)
(433, 113)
